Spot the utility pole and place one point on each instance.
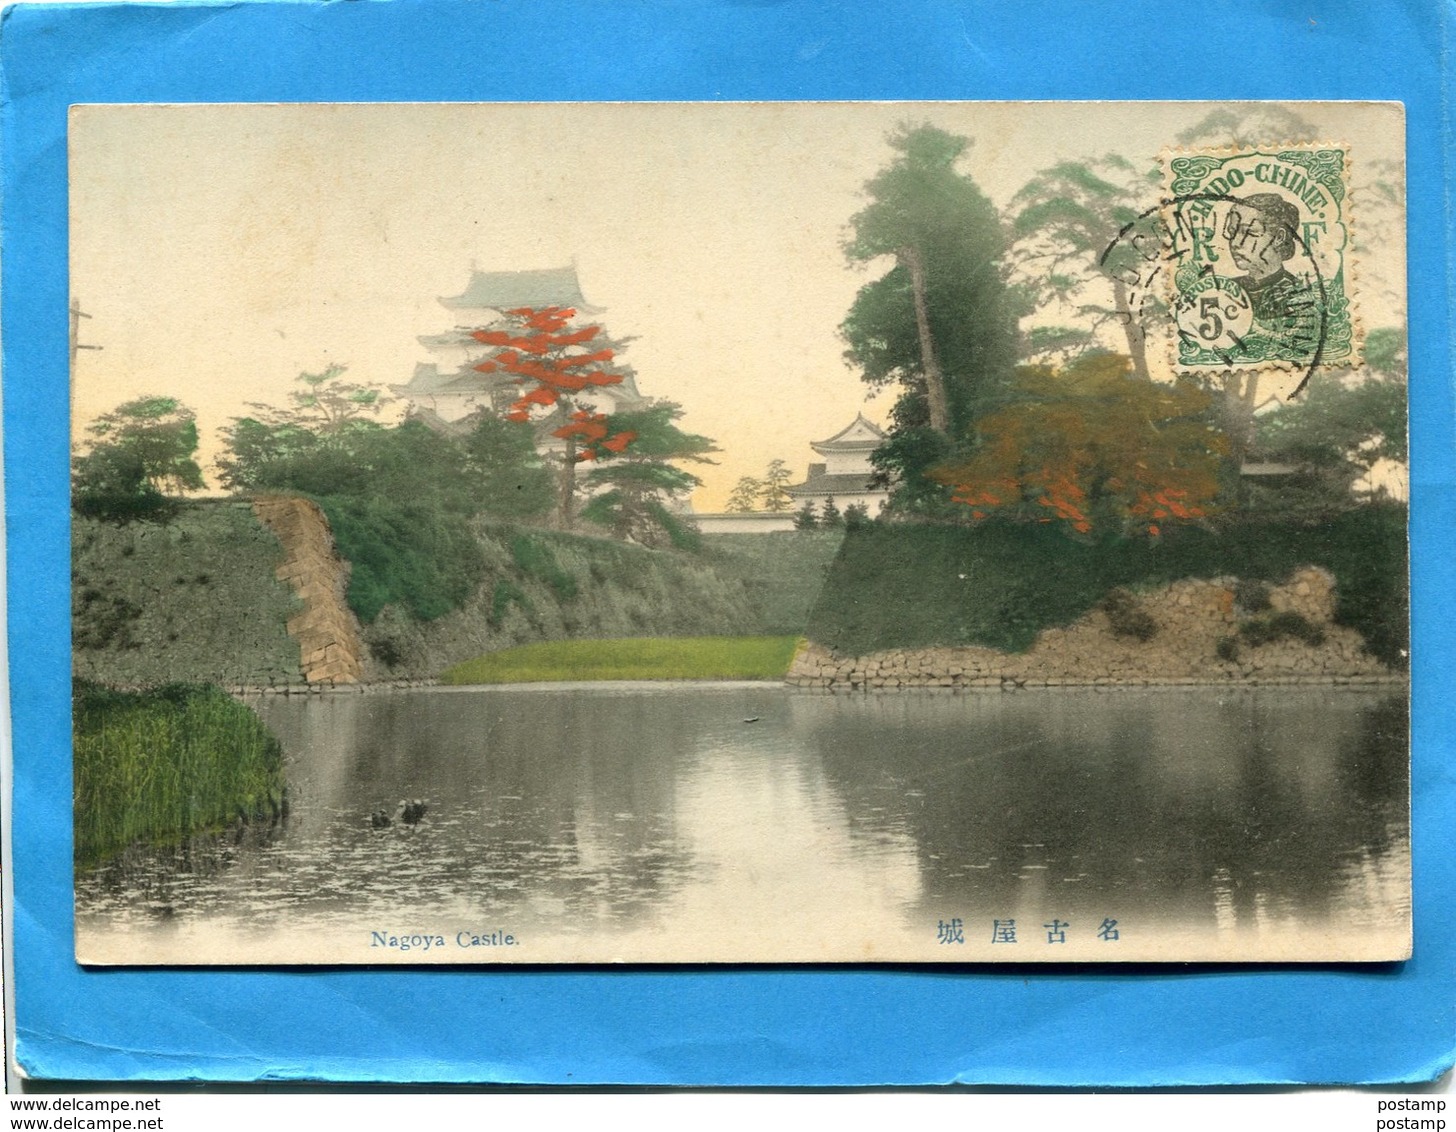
(77, 314)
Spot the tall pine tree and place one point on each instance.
(941, 323)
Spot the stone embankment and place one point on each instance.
(326, 631)
(322, 688)
(1195, 631)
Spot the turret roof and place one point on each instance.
(509, 290)
(860, 435)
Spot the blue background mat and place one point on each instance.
(1063, 1026)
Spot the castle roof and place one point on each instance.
(820, 483)
(510, 290)
(860, 435)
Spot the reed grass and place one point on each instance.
(635, 658)
(157, 767)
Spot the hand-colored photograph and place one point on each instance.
(843, 533)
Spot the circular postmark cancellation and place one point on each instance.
(1242, 264)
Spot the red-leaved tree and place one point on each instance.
(1095, 449)
(556, 363)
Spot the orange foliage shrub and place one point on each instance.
(1094, 448)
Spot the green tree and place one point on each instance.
(805, 519)
(256, 453)
(631, 489)
(941, 323)
(511, 479)
(135, 454)
(398, 499)
(1385, 353)
(310, 441)
(1086, 243)
(413, 463)
(830, 516)
(1081, 232)
(328, 406)
(775, 487)
(158, 432)
(1334, 438)
(110, 482)
(745, 495)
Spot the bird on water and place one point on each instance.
(411, 812)
(408, 812)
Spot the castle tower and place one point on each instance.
(447, 390)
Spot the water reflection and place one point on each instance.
(1227, 808)
(760, 823)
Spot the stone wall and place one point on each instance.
(1195, 631)
(327, 633)
(203, 597)
(193, 599)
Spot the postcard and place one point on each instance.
(580, 533)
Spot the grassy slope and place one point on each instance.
(642, 658)
(159, 766)
(543, 585)
(999, 586)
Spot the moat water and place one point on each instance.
(763, 824)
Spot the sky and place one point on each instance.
(221, 250)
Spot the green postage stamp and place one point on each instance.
(1259, 258)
